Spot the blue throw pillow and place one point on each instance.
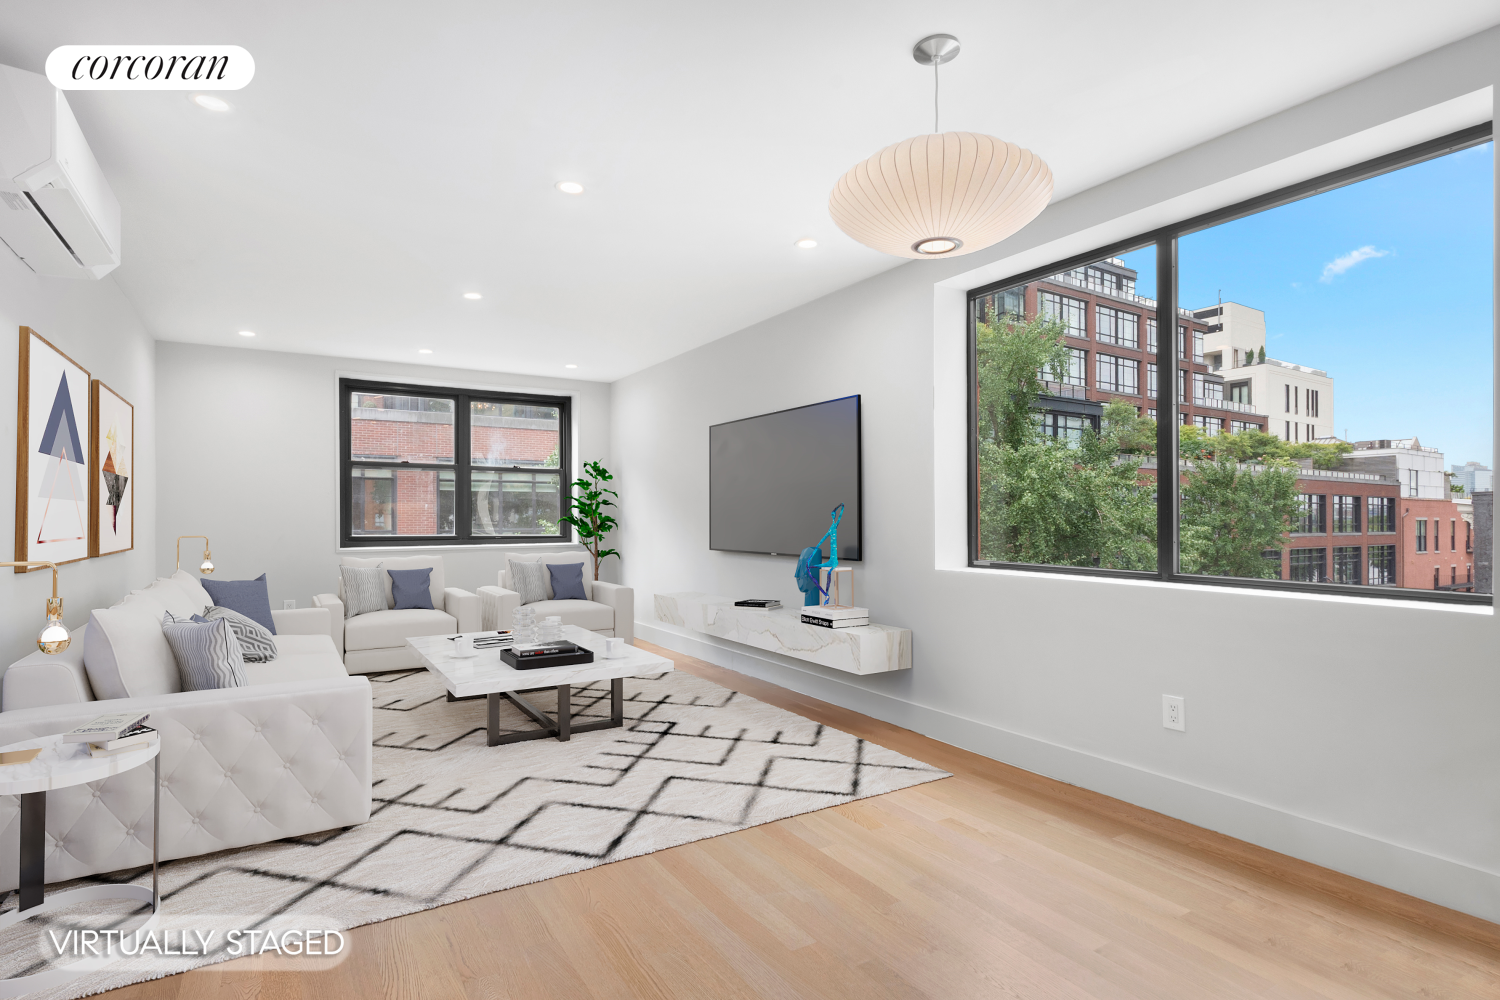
(249, 597)
(411, 588)
(567, 581)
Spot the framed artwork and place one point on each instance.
(52, 483)
(111, 472)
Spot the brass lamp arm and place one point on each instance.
(208, 566)
(29, 565)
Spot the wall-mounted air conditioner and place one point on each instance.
(57, 211)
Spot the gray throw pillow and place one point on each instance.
(567, 581)
(207, 653)
(256, 643)
(530, 581)
(411, 588)
(364, 590)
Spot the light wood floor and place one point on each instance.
(993, 883)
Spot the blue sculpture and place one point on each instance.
(810, 563)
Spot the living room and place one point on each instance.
(647, 238)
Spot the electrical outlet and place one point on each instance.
(288, 605)
(1174, 712)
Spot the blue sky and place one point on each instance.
(1385, 284)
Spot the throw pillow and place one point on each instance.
(530, 581)
(411, 588)
(207, 653)
(364, 590)
(258, 645)
(249, 597)
(567, 581)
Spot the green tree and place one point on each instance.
(1012, 360)
(1231, 515)
(588, 516)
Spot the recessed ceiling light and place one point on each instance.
(570, 187)
(472, 295)
(570, 366)
(210, 102)
(807, 243)
(247, 333)
(423, 350)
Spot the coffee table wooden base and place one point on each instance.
(560, 727)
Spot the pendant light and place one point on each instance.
(944, 194)
(54, 636)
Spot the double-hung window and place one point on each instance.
(1243, 502)
(424, 465)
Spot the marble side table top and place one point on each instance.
(62, 764)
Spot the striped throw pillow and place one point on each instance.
(530, 580)
(256, 643)
(364, 590)
(207, 653)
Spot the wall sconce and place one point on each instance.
(54, 636)
(207, 567)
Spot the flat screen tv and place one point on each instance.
(773, 479)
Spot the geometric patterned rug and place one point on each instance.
(454, 818)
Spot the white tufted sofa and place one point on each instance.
(239, 766)
(288, 754)
(608, 610)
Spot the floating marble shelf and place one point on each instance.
(863, 649)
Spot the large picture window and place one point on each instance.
(430, 466)
(1291, 414)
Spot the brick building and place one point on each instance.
(506, 441)
(1112, 340)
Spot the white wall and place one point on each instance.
(1336, 731)
(250, 453)
(94, 324)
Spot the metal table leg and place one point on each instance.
(564, 712)
(617, 702)
(155, 830)
(33, 848)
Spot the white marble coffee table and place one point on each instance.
(486, 675)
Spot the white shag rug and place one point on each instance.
(454, 818)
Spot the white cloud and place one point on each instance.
(1343, 263)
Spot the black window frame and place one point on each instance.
(461, 467)
(1166, 357)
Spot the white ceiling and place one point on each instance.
(390, 156)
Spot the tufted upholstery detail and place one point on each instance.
(239, 766)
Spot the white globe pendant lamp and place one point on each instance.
(944, 194)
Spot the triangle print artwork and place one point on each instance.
(62, 489)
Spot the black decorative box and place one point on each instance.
(553, 654)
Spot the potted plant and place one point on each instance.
(588, 516)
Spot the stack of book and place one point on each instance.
(765, 603)
(547, 654)
(834, 616)
(111, 734)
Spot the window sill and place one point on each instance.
(1230, 589)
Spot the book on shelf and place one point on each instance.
(834, 612)
(834, 622)
(105, 727)
(765, 603)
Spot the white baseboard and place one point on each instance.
(1426, 876)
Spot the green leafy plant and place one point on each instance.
(587, 514)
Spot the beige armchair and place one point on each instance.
(609, 610)
(376, 640)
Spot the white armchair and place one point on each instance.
(609, 609)
(376, 640)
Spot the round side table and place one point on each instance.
(60, 765)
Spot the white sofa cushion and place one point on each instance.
(382, 629)
(298, 658)
(170, 595)
(189, 585)
(585, 614)
(556, 557)
(125, 653)
(434, 583)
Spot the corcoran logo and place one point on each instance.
(150, 67)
